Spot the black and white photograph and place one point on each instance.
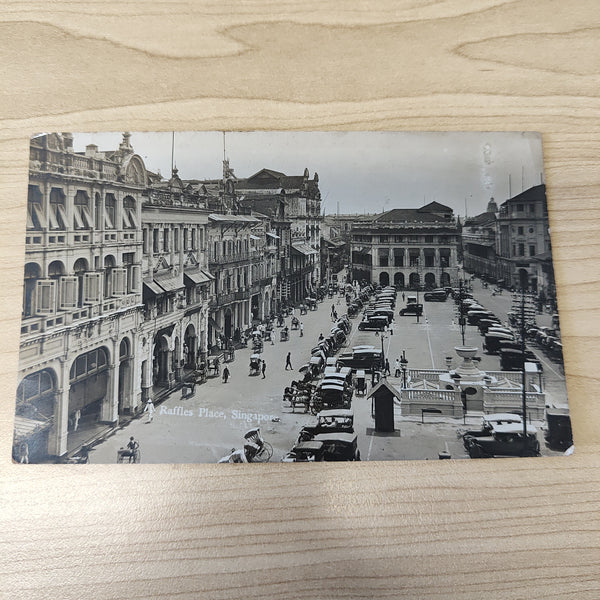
(241, 297)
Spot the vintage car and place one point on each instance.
(474, 316)
(504, 440)
(366, 359)
(255, 361)
(511, 359)
(412, 309)
(331, 394)
(558, 434)
(375, 323)
(487, 425)
(329, 421)
(435, 296)
(339, 446)
(309, 451)
(485, 324)
(492, 340)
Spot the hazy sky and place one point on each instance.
(363, 171)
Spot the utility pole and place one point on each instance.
(461, 319)
(523, 378)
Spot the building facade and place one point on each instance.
(407, 248)
(523, 242)
(479, 243)
(82, 291)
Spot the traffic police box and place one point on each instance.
(382, 405)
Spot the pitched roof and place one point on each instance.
(404, 215)
(482, 219)
(435, 207)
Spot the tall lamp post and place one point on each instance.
(523, 378)
(418, 285)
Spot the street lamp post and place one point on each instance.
(418, 285)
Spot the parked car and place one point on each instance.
(558, 435)
(366, 359)
(487, 425)
(329, 421)
(504, 440)
(375, 323)
(339, 446)
(412, 309)
(309, 451)
(435, 296)
(511, 359)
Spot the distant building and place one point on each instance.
(479, 243)
(407, 247)
(523, 242)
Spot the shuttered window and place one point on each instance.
(134, 278)
(92, 287)
(45, 296)
(119, 282)
(68, 292)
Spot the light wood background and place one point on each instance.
(527, 528)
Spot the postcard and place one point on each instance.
(229, 297)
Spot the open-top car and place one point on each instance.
(338, 420)
(504, 440)
(339, 446)
(309, 451)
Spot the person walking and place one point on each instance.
(225, 374)
(76, 419)
(149, 408)
(397, 368)
(288, 361)
(386, 369)
(133, 446)
(264, 368)
(301, 328)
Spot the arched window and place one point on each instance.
(130, 220)
(80, 268)
(33, 272)
(82, 218)
(57, 215)
(35, 212)
(110, 211)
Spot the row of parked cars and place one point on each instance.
(379, 312)
(498, 339)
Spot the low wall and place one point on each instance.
(448, 402)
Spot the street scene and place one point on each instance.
(264, 316)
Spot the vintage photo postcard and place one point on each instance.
(287, 297)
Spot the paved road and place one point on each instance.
(208, 425)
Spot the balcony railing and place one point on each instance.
(220, 259)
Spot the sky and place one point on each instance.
(359, 172)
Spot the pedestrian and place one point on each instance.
(301, 328)
(288, 361)
(320, 336)
(132, 446)
(76, 419)
(264, 368)
(225, 374)
(149, 408)
(397, 368)
(386, 369)
(24, 453)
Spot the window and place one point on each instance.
(185, 242)
(429, 239)
(429, 258)
(532, 209)
(520, 230)
(133, 278)
(92, 288)
(519, 208)
(145, 240)
(521, 249)
(57, 214)
(166, 240)
(130, 220)
(119, 281)
(45, 298)
(532, 250)
(176, 239)
(531, 230)
(82, 217)
(155, 235)
(35, 214)
(110, 210)
(383, 239)
(68, 292)
(193, 238)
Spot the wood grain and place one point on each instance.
(512, 529)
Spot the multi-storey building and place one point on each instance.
(479, 243)
(176, 284)
(523, 242)
(407, 247)
(294, 202)
(79, 360)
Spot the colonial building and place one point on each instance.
(79, 362)
(407, 248)
(176, 284)
(479, 243)
(523, 242)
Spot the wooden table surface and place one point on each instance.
(526, 528)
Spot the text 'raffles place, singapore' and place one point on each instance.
(288, 297)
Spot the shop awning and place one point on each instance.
(25, 427)
(170, 284)
(153, 288)
(197, 276)
(254, 237)
(303, 248)
(272, 235)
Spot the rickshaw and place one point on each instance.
(284, 335)
(361, 383)
(303, 309)
(295, 323)
(339, 446)
(257, 344)
(311, 303)
(316, 365)
(339, 420)
(214, 367)
(254, 364)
